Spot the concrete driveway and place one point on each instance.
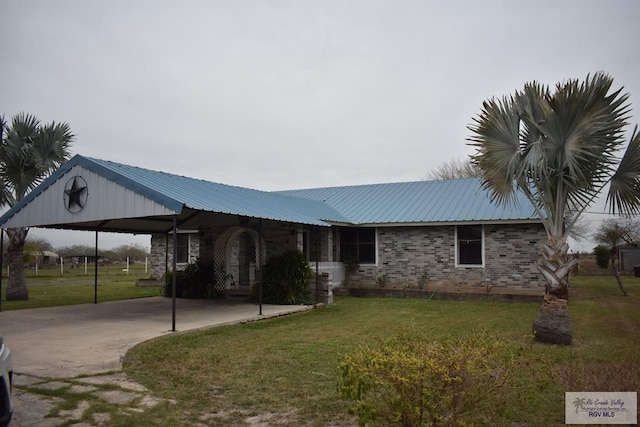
(65, 342)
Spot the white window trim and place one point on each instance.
(375, 240)
(375, 263)
(482, 250)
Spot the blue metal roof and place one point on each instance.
(460, 200)
(397, 203)
(177, 192)
(215, 197)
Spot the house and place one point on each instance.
(629, 257)
(42, 258)
(441, 236)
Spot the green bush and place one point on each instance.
(410, 380)
(603, 256)
(195, 281)
(285, 279)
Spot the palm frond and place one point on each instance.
(51, 147)
(497, 141)
(25, 124)
(558, 147)
(3, 125)
(29, 152)
(624, 190)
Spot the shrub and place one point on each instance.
(286, 279)
(195, 281)
(603, 256)
(410, 380)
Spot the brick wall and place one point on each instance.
(277, 237)
(424, 258)
(408, 257)
(158, 250)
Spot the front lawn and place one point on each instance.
(284, 371)
(51, 288)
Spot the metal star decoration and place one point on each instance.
(76, 194)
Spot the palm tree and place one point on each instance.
(559, 149)
(29, 152)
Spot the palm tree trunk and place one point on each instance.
(17, 284)
(553, 324)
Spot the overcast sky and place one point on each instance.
(294, 94)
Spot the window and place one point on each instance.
(469, 245)
(358, 244)
(182, 249)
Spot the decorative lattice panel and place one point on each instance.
(225, 252)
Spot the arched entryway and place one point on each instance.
(236, 260)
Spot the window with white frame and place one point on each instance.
(182, 248)
(469, 245)
(358, 244)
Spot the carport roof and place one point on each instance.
(169, 194)
(133, 199)
(178, 191)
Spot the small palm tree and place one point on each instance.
(29, 152)
(559, 149)
(579, 403)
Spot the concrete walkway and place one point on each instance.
(68, 341)
(51, 347)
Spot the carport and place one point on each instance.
(99, 195)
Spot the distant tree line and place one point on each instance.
(35, 245)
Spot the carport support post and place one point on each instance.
(317, 264)
(95, 273)
(173, 276)
(166, 257)
(260, 261)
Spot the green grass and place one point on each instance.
(51, 288)
(288, 366)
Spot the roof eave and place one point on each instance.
(440, 223)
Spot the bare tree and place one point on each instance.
(454, 169)
(76, 250)
(580, 230)
(614, 233)
(40, 243)
(134, 252)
